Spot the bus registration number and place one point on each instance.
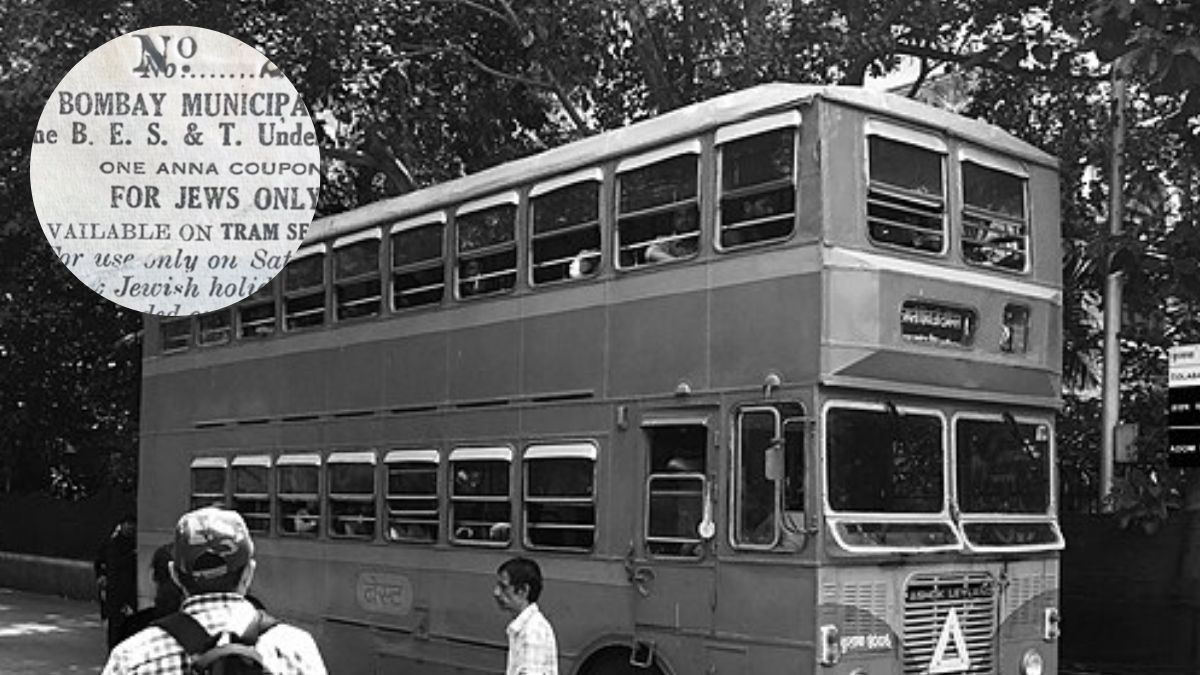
(872, 642)
(384, 593)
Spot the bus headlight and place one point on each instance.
(1031, 663)
(831, 646)
(1051, 628)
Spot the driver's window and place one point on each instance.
(768, 473)
(676, 489)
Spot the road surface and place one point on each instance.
(46, 635)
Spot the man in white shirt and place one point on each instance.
(532, 649)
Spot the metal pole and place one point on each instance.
(1112, 293)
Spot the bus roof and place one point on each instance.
(675, 125)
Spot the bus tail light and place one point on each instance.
(1051, 625)
(831, 647)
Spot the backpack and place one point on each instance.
(236, 657)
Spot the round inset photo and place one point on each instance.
(175, 170)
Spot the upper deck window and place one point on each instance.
(175, 332)
(487, 248)
(356, 281)
(256, 314)
(906, 199)
(758, 190)
(352, 494)
(418, 275)
(566, 228)
(995, 225)
(560, 496)
(658, 214)
(304, 289)
(215, 328)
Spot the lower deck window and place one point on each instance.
(208, 482)
(298, 496)
(251, 492)
(352, 495)
(560, 506)
(412, 496)
(676, 489)
(481, 510)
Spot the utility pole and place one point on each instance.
(1114, 279)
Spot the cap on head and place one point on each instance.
(211, 543)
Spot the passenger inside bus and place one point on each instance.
(681, 242)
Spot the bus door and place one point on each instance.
(671, 568)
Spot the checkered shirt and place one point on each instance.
(286, 650)
(531, 646)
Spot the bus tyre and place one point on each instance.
(616, 662)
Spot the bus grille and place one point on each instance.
(928, 599)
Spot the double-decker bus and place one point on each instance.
(765, 384)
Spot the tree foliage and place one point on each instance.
(407, 93)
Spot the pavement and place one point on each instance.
(47, 635)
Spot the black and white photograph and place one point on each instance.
(599, 337)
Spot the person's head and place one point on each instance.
(518, 584)
(213, 552)
(127, 525)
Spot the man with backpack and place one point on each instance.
(216, 631)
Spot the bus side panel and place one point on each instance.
(485, 361)
(354, 378)
(785, 613)
(415, 370)
(564, 352)
(660, 341)
(761, 328)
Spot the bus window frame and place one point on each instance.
(261, 460)
(550, 451)
(596, 256)
(507, 198)
(666, 419)
(1050, 517)
(210, 462)
(189, 336)
(251, 303)
(299, 459)
(225, 333)
(735, 492)
(742, 131)
(475, 453)
(340, 245)
(917, 138)
(414, 456)
(692, 205)
(358, 457)
(1001, 164)
(306, 292)
(434, 219)
(837, 518)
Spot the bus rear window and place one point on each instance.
(356, 279)
(758, 192)
(418, 277)
(658, 218)
(487, 251)
(994, 224)
(906, 202)
(566, 233)
(560, 502)
(304, 292)
(352, 495)
(481, 511)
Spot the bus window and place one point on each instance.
(758, 192)
(480, 504)
(208, 482)
(906, 200)
(675, 490)
(298, 493)
(304, 289)
(351, 495)
(566, 231)
(882, 460)
(215, 328)
(412, 495)
(756, 496)
(256, 314)
(356, 280)
(487, 250)
(995, 228)
(658, 217)
(560, 501)
(251, 491)
(1014, 335)
(1003, 466)
(418, 277)
(176, 333)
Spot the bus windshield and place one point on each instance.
(884, 461)
(1003, 466)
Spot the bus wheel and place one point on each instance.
(615, 661)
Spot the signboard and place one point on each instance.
(1184, 406)
(932, 322)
